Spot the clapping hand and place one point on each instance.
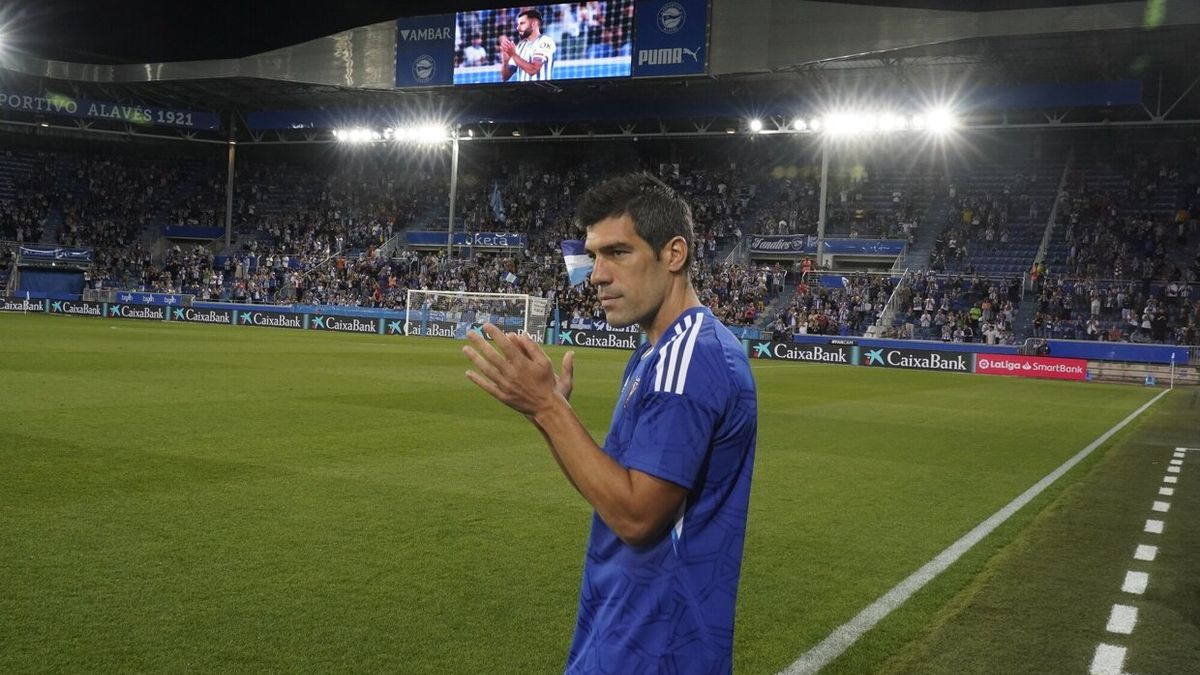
(515, 370)
(507, 47)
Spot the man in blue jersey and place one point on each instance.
(531, 59)
(671, 484)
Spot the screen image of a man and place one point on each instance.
(670, 486)
(531, 59)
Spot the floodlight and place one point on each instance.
(430, 133)
(756, 125)
(816, 123)
(800, 125)
(941, 120)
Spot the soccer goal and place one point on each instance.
(453, 313)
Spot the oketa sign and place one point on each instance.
(425, 51)
(672, 38)
(477, 239)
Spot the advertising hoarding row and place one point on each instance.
(922, 359)
(835, 351)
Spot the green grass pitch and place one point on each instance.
(179, 497)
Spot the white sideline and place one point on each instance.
(837, 642)
(1145, 552)
(1122, 619)
(1109, 660)
(1135, 582)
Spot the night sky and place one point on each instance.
(138, 31)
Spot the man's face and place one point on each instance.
(524, 27)
(630, 279)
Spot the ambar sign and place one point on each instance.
(918, 359)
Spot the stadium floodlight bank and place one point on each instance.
(454, 313)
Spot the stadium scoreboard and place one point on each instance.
(619, 38)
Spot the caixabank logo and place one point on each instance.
(787, 351)
(219, 316)
(137, 312)
(271, 319)
(596, 338)
(78, 308)
(20, 305)
(442, 329)
(340, 324)
(917, 359)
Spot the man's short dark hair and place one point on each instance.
(659, 214)
(533, 15)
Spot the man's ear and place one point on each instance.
(675, 252)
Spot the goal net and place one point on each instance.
(453, 314)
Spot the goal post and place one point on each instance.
(453, 314)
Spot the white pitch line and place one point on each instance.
(842, 637)
(1172, 469)
(1109, 660)
(1154, 526)
(1166, 492)
(1179, 455)
(1135, 582)
(1161, 507)
(1122, 620)
(1170, 479)
(1144, 552)
(1176, 462)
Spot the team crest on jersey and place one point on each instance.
(632, 388)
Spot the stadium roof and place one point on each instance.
(908, 53)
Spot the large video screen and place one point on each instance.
(540, 43)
